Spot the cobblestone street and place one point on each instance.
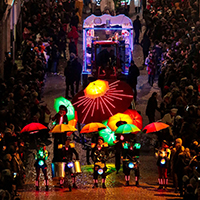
(55, 87)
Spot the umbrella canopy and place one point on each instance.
(107, 134)
(96, 89)
(155, 126)
(92, 127)
(127, 128)
(136, 117)
(61, 128)
(70, 108)
(32, 127)
(105, 101)
(116, 120)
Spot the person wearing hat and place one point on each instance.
(41, 156)
(163, 157)
(99, 156)
(130, 155)
(67, 153)
(169, 119)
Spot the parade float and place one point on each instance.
(107, 46)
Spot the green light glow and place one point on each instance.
(126, 145)
(70, 108)
(107, 134)
(137, 145)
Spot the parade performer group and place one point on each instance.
(127, 151)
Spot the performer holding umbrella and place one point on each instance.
(41, 156)
(67, 152)
(99, 156)
(163, 156)
(130, 158)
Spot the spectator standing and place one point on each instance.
(69, 75)
(137, 29)
(132, 77)
(152, 106)
(145, 43)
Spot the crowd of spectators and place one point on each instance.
(174, 29)
(45, 32)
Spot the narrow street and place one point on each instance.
(55, 87)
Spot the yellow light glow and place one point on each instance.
(96, 89)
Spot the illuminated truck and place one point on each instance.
(107, 46)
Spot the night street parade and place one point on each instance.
(99, 99)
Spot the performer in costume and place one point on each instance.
(59, 139)
(41, 156)
(163, 156)
(61, 117)
(99, 156)
(67, 153)
(130, 158)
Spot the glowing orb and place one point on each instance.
(41, 163)
(100, 171)
(131, 165)
(162, 161)
(70, 164)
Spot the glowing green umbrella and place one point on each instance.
(107, 134)
(127, 128)
(70, 108)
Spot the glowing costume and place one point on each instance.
(99, 156)
(67, 152)
(131, 161)
(41, 156)
(163, 156)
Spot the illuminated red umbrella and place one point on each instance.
(155, 126)
(33, 127)
(136, 117)
(106, 101)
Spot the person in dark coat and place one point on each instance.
(137, 29)
(8, 66)
(72, 47)
(132, 77)
(152, 106)
(77, 72)
(69, 73)
(145, 43)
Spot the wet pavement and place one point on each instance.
(55, 87)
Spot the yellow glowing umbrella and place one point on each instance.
(61, 128)
(116, 120)
(92, 127)
(96, 89)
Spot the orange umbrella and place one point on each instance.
(61, 128)
(136, 117)
(155, 126)
(33, 127)
(92, 127)
(118, 119)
